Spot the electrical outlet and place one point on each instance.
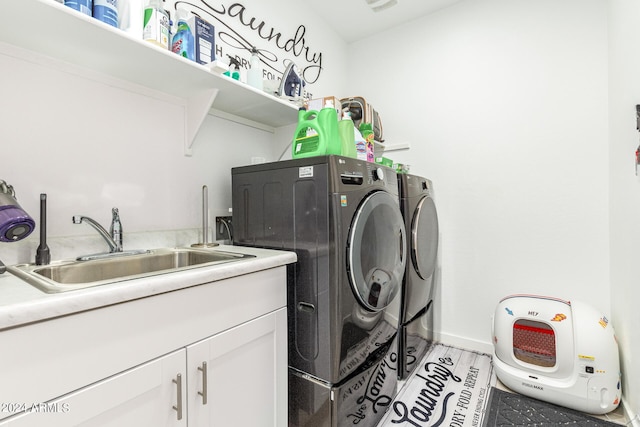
(224, 228)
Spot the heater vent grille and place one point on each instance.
(534, 343)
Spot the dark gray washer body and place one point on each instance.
(342, 218)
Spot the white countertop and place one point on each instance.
(22, 303)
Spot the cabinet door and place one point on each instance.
(245, 372)
(144, 396)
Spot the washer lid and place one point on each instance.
(376, 251)
(424, 238)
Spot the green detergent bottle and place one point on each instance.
(347, 136)
(317, 133)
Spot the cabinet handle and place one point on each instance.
(178, 407)
(203, 393)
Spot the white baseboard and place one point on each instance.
(630, 415)
(465, 343)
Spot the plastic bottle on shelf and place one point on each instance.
(361, 145)
(183, 42)
(254, 75)
(367, 133)
(106, 11)
(347, 135)
(84, 6)
(131, 16)
(156, 24)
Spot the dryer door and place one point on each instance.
(376, 251)
(424, 238)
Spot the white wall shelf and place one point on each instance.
(61, 33)
(385, 147)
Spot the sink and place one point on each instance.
(64, 276)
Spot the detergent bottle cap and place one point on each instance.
(365, 127)
(182, 14)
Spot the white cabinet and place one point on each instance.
(145, 396)
(239, 377)
(136, 363)
(70, 37)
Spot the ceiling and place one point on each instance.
(354, 19)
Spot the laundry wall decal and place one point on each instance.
(238, 29)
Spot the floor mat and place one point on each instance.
(448, 388)
(509, 409)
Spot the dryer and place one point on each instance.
(421, 221)
(342, 218)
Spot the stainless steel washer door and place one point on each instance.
(376, 251)
(424, 238)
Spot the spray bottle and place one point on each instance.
(254, 75)
(234, 68)
(183, 42)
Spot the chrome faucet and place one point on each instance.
(114, 240)
(113, 237)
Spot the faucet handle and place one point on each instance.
(116, 228)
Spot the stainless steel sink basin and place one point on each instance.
(64, 276)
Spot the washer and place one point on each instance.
(342, 218)
(421, 221)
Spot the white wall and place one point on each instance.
(624, 188)
(504, 104)
(92, 145)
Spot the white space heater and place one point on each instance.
(558, 351)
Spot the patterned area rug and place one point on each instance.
(449, 388)
(509, 409)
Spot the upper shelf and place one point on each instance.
(70, 36)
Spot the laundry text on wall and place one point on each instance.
(238, 28)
